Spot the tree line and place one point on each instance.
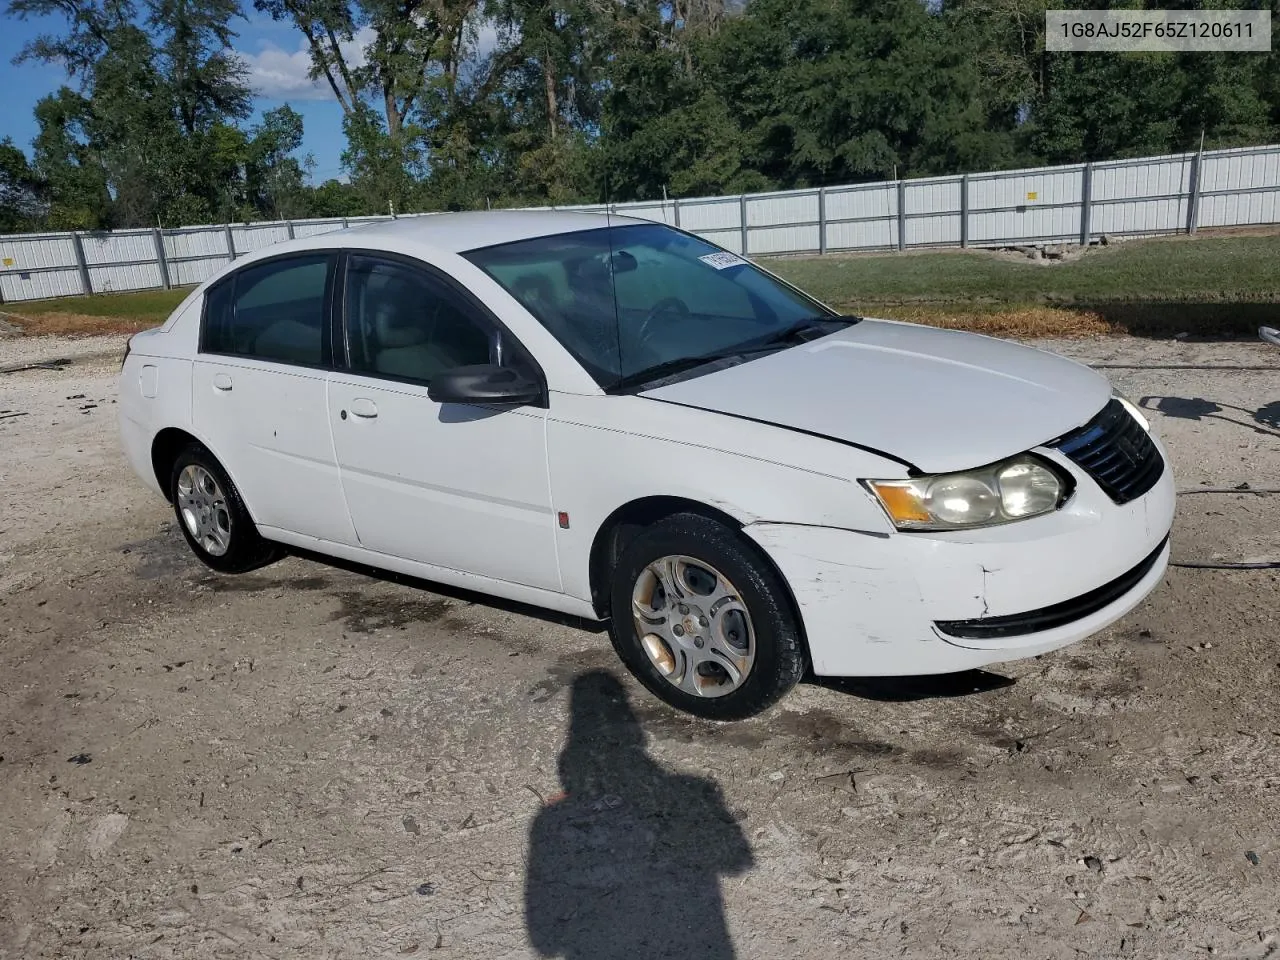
(459, 104)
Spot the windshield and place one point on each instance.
(637, 302)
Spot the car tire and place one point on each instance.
(731, 613)
(213, 518)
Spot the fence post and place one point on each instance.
(85, 282)
(822, 219)
(964, 210)
(675, 211)
(231, 244)
(1086, 204)
(902, 215)
(742, 213)
(345, 225)
(1193, 205)
(161, 261)
(288, 225)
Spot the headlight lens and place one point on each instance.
(1027, 488)
(1015, 489)
(961, 500)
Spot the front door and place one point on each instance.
(460, 487)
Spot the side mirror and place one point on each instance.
(624, 262)
(487, 384)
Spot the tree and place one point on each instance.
(333, 198)
(65, 161)
(275, 179)
(458, 104)
(91, 26)
(150, 137)
(413, 43)
(206, 81)
(384, 169)
(22, 204)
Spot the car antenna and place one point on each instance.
(613, 281)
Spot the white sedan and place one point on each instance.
(618, 420)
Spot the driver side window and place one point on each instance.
(405, 324)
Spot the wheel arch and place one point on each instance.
(165, 447)
(622, 525)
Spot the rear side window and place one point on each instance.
(271, 311)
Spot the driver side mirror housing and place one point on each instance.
(624, 262)
(485, 384)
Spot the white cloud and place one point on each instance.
(276, 73)
(279, 74)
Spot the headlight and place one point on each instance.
(1015, 489)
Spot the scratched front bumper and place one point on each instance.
(869, 601)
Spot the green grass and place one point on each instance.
(1203, 270)
(152, 305)
(1205, 285)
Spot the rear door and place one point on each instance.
(259, 397)
(455, 486)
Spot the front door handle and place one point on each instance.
(365, 409)
(221, 381)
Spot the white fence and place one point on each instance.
(1069, 204)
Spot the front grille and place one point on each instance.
(1116, 451)
(1058, 615)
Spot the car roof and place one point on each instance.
(459, 232)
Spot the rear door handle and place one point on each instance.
(365, 409)
(221, 381)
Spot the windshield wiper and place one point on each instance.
(775, 342)
(792, 334)
(795, 333)
(668, 368)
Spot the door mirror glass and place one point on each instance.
(486, 384)
(624, 262)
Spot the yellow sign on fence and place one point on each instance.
(1032, 195)
(8, 261)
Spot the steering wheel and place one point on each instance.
(670, 307)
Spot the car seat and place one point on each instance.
(416, 334)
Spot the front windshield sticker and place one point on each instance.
(722, 261)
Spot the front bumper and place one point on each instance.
(888, 605)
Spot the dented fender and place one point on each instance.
(861, 608)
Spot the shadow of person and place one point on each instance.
(626, 862)
(1196, 408)
(1184, 408)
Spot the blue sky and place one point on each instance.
(274, 52)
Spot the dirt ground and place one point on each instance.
(306, 762)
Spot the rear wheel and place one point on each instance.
(703, 621)
(213, 518)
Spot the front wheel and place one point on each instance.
(703, 621)
(213, 518)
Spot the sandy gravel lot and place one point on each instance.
(306, 762)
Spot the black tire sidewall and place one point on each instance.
(780, 658)
(247, 550)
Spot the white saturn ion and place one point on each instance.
(615, 419)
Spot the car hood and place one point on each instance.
(939, 400)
